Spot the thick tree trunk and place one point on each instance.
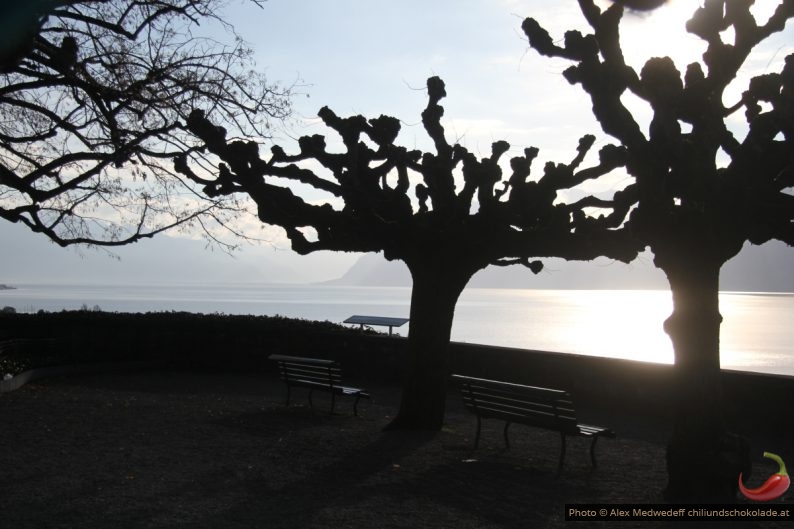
(436, 289)
(703, 459)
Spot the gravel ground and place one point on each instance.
(173, 449)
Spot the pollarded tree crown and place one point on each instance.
(688, 196)
(394, 199)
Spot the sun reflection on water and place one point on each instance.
(755, 333)
(753, 319)
(617, 324)
(620, 324)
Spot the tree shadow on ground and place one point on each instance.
(406, 479)
(348, 471)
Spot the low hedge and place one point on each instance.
(211, 341)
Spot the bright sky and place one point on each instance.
(372, 58)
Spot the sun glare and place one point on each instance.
(622, 321)
(661, 33)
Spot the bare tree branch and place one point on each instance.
(92, 111)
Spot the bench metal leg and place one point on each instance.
(507, 440)
(288, 395)
(355, 405)
(592, 450)
(311, 403)
(562, 453)
(477, 437)
(333, 402)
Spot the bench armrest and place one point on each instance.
(301, 360)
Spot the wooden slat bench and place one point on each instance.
(551, 409)
(316, 375)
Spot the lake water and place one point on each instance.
(757, 332)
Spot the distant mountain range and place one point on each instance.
(31, 258)
(767, 268)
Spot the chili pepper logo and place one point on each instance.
(774, 487)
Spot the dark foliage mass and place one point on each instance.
(93, 98)
(641, 5)
(184, 340)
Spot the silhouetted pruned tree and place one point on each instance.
(93, 96)
(461, 216)
(701, 194)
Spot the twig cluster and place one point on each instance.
(92, 101)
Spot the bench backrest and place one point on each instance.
(315, 370)
(550, 408)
